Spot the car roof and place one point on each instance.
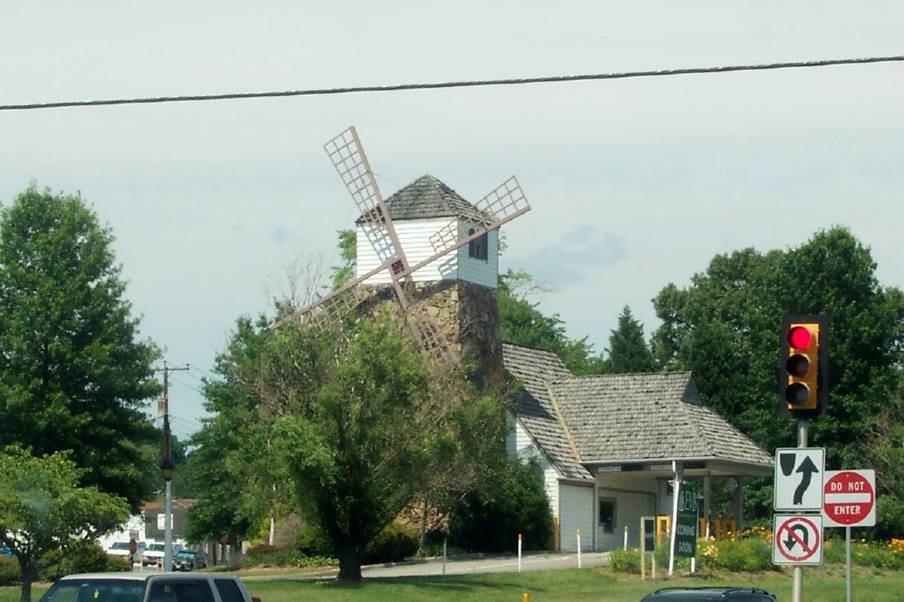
(138, 576)
(712, 592)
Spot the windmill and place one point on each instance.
(500, 206)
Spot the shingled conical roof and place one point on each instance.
(426, 198)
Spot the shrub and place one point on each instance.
(79, 557)
(394, 543)
(625, 561)
(747, 554)
(261, 549)
(9, 570)
(878, 555)
(490, 521)
(265, 556)
(312, 541)
(833, 550)
(889, 517)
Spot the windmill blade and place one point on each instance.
(330, 313)
(347, 155)
(337, 303)
(499, 207)
(433, 343)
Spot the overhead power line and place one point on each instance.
(552, 79)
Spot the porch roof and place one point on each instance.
(649, 418)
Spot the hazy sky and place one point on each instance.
(633, 183)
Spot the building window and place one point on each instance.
(607, 514)
(477, 248)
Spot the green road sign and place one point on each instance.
(686, 525)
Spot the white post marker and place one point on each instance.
(625, 546)
(444, 556)
(519, 552)
(579, 548)
(797, 539)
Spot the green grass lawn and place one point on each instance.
(547, 586)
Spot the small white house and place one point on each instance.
(611, 446)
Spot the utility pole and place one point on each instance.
(166, 466)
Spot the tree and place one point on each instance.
(628, 351)
(348, 252)
(364, 427)
(515, 503)
(73, 375)
(237, 477)
(43, 508)
(725, 326)
(523, 324)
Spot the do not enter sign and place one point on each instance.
(849, 498)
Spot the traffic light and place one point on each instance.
(804, 366)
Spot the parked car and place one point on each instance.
(153, 554)
(709, 594)
(4, 551)
(187, 560)
(148, 587)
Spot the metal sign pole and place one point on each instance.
(797, 592)
(643, 550)
(847, 553)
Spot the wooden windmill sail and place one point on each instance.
(500, 206)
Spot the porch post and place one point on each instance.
(678, 471)
(738, 506)
(707, 504)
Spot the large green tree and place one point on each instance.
(356, 422)
(43, 508)
(628, 351)
(238, 479)
(73, 372)
(725, 326)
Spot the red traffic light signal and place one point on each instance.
(803, 367)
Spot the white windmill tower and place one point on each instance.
(436, 251)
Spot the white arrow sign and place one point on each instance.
(798, 478)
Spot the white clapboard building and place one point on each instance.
(610, 446)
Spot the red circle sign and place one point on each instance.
(797, 538)
(848, 498)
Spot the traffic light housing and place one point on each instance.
(804, 366)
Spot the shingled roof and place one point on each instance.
(535, 409)
(425, 198)
(619, 418)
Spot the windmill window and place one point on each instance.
(607, 514)
(477, 248)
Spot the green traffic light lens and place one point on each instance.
(797, 365)
(797, 394)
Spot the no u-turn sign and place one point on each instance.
(797, 539)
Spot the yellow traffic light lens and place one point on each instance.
(800, 337)
(797, 365)
(797, 394)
